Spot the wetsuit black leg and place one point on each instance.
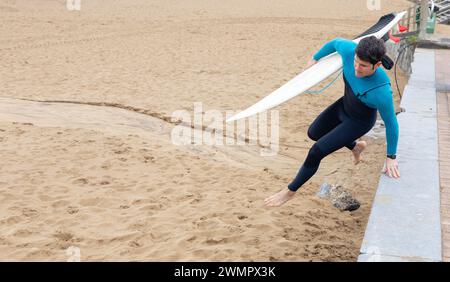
(342, 135)
(327, 121)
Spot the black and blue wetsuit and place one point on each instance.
(352, 116)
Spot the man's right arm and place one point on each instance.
(329, 48)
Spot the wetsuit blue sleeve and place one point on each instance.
(335, 45)
(385, 105)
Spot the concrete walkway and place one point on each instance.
(405, 221)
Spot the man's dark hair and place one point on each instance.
(371, 49)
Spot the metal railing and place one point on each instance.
(443, 15)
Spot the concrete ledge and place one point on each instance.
(434, 43)
(404, 224)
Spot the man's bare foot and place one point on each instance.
(359, 148)
(279, 198)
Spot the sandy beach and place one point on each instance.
(99, 172)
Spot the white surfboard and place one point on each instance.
(315, 74)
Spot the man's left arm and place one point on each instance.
(387, 112)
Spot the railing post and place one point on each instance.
(409, 18)
(424, 14)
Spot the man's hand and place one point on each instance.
(392, 168)
(310, 63)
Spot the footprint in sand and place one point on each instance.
(148, 159)
(80, 181)
(72, 210)
(30, 212)
(22, 233)
(151, 207)
(134, 244)
(63, 236)
(12, 220)
(216, 241)
(90, 202)
(60, 204)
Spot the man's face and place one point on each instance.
(363, 68)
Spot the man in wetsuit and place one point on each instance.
(367, 89)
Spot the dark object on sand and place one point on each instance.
(340, 198)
